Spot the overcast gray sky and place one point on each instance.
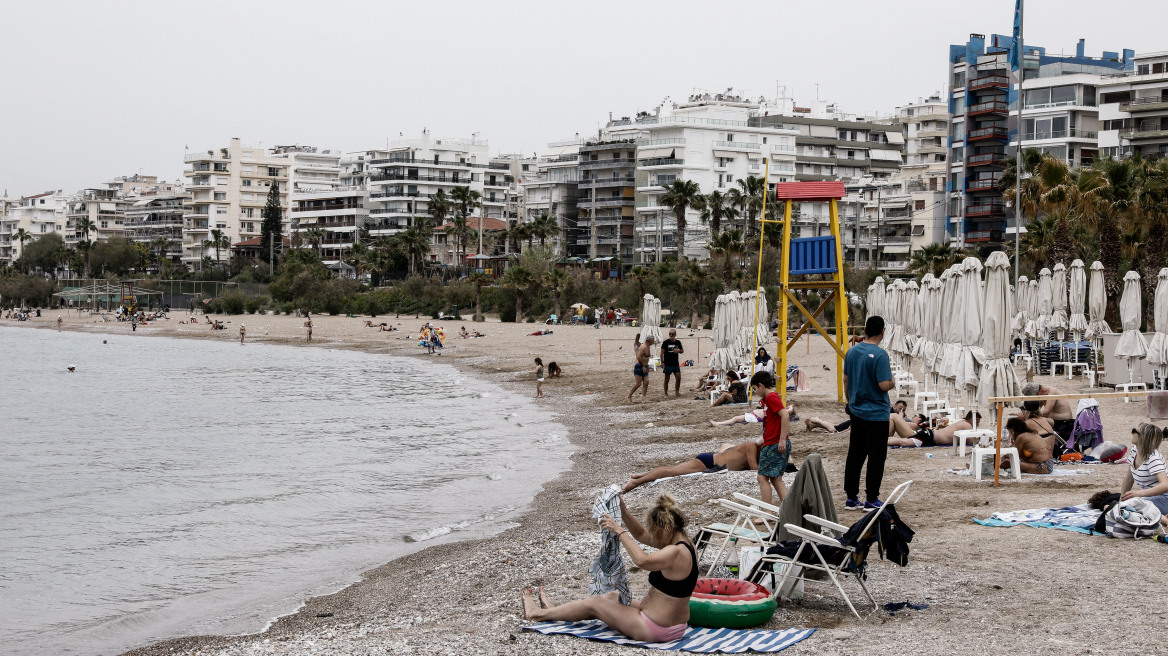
(92, 90)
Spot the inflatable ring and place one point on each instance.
(730, 604)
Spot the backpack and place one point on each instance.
(1134, 518)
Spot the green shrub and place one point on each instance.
(256, 303)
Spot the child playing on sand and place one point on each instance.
(539, 378)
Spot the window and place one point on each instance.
(729, 137)
(959, 105)
(526, 167)
(1142, 69)
(219, 195)
(918, 205)
(248, 212)
(1158, 68)
(273, 171)
(959, 80)
(105, 224)
(932, 184)
(729, 178)
(221, 210)
(764, 140)
(249, 227)
(245, 183)
(959, 131)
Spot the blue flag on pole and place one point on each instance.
(1016, 49)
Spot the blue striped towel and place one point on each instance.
(702, 641)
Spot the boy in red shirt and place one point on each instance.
(776, 443)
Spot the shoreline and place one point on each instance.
(463, 597)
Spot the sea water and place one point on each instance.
(175, 487)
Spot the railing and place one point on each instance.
(893, 239)
(982, 184)
(607, 182)
(604, 202)
(606, 163)
(1061, 103)
(984, 209)
(1154, 100)
(1143, 134)
(987, 133)
(644, 143)
(1061, 134)
(195, 157)
(743, 145)
(692, 120)
(663, 161)
(422, 178)
(326, 208)
(988, 158)
(893, 265)
(988, 80)
(991, 106)
(984, 235)
(427, 162)
(781, 148)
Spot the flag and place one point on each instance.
(1016, 48)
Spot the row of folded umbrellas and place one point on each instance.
(741, 321)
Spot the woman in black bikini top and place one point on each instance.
(662, 615)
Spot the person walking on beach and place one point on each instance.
(538, 378)
(670, 349)
(133, 323)
(867, 379)
(59, 323)
(641, 370)
(242, 332)
(308, 325)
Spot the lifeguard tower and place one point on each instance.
(812, 263)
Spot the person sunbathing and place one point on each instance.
(909, 432)
(756, 416)
(662, 615)
(814, 423)
(462, 333)
(735, 393)
(1036, 456)
(734, 457)
(945, 433)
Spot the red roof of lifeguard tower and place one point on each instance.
(827, 190)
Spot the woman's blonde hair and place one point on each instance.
(665, 517)
(1148, 439)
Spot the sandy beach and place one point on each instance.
(1036, 591)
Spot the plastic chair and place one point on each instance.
(982, 452)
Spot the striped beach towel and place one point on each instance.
(701, 641)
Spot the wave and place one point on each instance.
(446, 529)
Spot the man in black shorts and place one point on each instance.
(670, 349)
(735, 457)
(641, 370)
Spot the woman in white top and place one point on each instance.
(1146, 476)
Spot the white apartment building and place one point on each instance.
(707, 139)
(339, 213)
(550, 187)
(156, 217)
(310, 169)
(137, 185)
(1060, 115)
(104, 208)
(1133, 109)
(403, 177)
(229, 188)
(37, 215)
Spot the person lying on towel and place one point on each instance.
(662, 615)
(735, 457)
(1037, 456)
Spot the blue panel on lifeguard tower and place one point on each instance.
(812, 255)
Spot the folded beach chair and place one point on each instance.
(725, 536)
(825, 552)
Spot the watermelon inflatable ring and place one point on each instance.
(730, 604)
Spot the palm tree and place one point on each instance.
(679, 196)
(22, 236)
(555, 279)
(747, 197)
(718, 206)
(315, 236)
(933, 258)
(694, 281)
(519, 279)
(414, 242)
(438, 206)
(465, 200)
(219, 240)
(479, 280)
(459, 231)
(640, 274)
(543, 227)
(1110, 194)
(86, 225)
(727, 246)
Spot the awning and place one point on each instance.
(918, 231)
(107, 207)
(896, 248)
(562, 150)
(893, 203)
(654, 153)
(725, 153)
(886, 155)
(894, 137)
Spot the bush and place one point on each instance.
(256, 303)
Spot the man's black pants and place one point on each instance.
(869, 441)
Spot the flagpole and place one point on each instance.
(1018, 152)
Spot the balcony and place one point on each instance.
(984, 236)
(986, 209)
(991, 107)
(392, 161)
(1144, 105)
(1143, 134)
(987, 159)
(645, 143)
(606, 182)
(998, 133)
(200, 157)
(737, 145)
(983, 184)
(1072, 133)
(989, 81)
(662, 161)
(893, 265)
(607, 163)
(588, 203)
(405, 177)
(883, 240)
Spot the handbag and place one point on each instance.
(1135, 518)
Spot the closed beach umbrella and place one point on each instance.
(1097, 303)
(1045, 303)
(912, 319)
(893, 329)
(1131, 345)
(970, 318)
(1032, 309)
(876, 298)
(950, 324)
(1058, 289)
(651, 318)
(997, 376)
(931, 316)
(724, 357)
(762, 324)
(1019, 325)
(1158, 347)
(745, 335)
(1077, 300)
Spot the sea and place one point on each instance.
(171, 487)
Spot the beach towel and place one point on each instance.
(1157, 405)
(809, 494)
(800, 381)
(608, 568)
(1068, 470)
(1080, 519)
(701, 641)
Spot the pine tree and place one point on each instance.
(272, 228)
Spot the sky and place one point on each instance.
(93, 90)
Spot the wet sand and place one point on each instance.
(1035, 591)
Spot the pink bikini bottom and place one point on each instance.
(664, 633)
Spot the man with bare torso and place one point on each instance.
(1058, 411)
(641, 370)
(735, 457)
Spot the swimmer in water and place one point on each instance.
(71, 368)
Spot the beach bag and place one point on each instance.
(1134, 518)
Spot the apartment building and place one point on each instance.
(37, 215)
(713, 140)
(157, 217)
(1133, 109)
(105, 210)
(1059, 114)
(606, 198)
(550, 187)
(137, 185)
(309, 169)
(403, 177)
(328, 220)
(228, 189)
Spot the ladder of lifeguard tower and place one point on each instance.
(812, 256)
